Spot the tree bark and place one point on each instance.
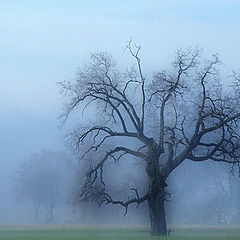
(156, 185)
(157, 214)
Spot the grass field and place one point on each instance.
(121, 233)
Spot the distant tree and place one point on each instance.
(162, 120)
(224, 186)
(40, 180)
(28, 189)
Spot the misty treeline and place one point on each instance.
(161, 120)
(50, 181)
(198, 193)
(205, 194)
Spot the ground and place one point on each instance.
(67, 232)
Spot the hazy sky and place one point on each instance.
(44, 41)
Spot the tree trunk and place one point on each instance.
(50, 214)
(36, 211)
(157, 214)
(156, 185)
(36, 205)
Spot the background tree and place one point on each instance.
(40, 180)
(224, 188)
(28, 189)
(162, 120)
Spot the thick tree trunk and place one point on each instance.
(156, 185)
(157, 214)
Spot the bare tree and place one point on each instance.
(40, 180)
(29, 185)
(224, 185)
(173, 116)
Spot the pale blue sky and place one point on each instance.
(44, 41)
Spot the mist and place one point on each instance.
(44, 43)
(203, 189)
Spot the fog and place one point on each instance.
(44, 42)
(199, 193)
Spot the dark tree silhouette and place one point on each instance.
(162, 120)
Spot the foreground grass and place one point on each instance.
(103, 233)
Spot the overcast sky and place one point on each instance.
(44, 41)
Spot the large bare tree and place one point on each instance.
(162, 120)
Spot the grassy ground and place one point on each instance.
(120, 233)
